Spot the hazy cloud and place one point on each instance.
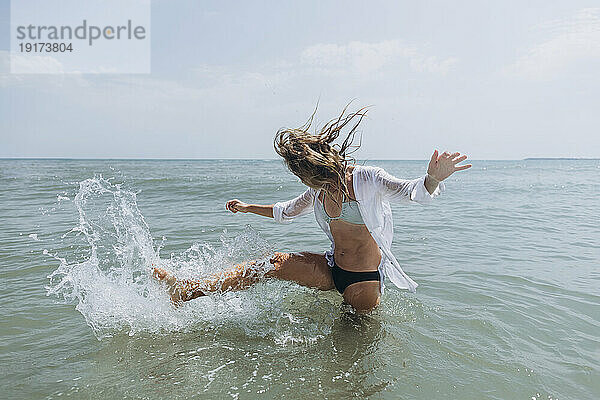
(365, 57)
(573, 42)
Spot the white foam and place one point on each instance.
(112, 287)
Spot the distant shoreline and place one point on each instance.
(560, 158)
(259, 159)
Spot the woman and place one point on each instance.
(351, 205)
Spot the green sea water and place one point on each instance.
(507, 260)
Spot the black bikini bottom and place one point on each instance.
(342, 278)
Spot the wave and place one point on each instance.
(107, 275)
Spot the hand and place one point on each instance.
(442, 166)
(235, 205)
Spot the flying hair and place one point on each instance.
(314, 157)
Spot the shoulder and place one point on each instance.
(310, 192)
(367, 168)
(367, 179)
(366, 182)
(367, 172)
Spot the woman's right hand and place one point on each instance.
(235, 205)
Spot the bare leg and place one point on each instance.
(307, 269)
(363, 296)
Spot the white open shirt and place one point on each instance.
(374, 188)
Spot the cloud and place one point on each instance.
(367, 60)
(34, 64)
(30, 75)
(434, 65)
(202, 99)
(362, 57)
(573, 42)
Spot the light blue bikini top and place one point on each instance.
(350, 212)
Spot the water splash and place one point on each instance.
(109, 279)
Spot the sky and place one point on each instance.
(492, 80)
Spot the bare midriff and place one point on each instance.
(355, 248)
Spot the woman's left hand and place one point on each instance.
(442, 166)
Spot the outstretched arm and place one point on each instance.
(442, 166)
(421, 190)
(282, 212)
(235, 205)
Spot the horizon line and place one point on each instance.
(270, 159)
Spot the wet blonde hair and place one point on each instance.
(314, 158)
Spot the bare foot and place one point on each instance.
(175, 292)
(162, 274)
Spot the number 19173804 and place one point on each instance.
(45, 47)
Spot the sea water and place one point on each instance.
(507, 259)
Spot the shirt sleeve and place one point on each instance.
(285, 212)
(409, 190)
